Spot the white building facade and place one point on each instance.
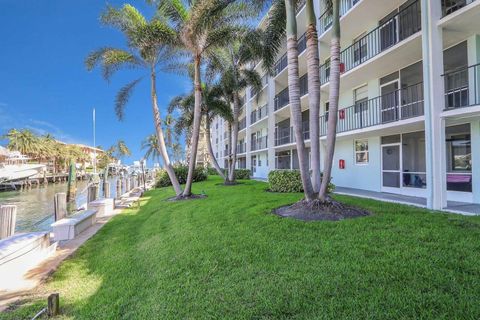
(409, 118)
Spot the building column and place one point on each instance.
(475, 136)
(271, 124)
(434, 101)
(473, 50)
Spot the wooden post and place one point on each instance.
(53, 308)
(106, 189)
(72, 182)
(118, 192)
(8, 217)
(92, 193)
(60, 205)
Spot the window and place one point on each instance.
(360, 49)
(459, 158)
(361, 151)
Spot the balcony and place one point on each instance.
(282, 63)
(462, 87)
(286, 135)
(259, 143)
(450, 6)
(241, 148)
(258, 114)
(225, 153)
(264, 80)
(242, 101)
(404, 24)
(398, 105)
(325, 20)
(242, 124)
(282, 99)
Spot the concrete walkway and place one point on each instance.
(452, 206)
(39, 274)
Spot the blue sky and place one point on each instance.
(44, 85)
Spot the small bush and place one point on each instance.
(163, 180)
(242, 174)
(288, 181)
(212, 171)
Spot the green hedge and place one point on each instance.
(240, 174)
(163, 180)
(288, 181)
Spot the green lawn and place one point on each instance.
(228, 257)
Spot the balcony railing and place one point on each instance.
(282, 99)
(258, 114)
(325, 20)
(300, 5)
(462, 87)
(225, 153)
(242, 123)
(242, 101)
(398, 28)
(283, 61)
(286, 135)
(450, 6)
(398, 105)
(241, 148)
(260, 143)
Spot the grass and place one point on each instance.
(228, 257)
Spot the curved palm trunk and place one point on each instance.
(197, 119)
(210, 149)
(294, 97)
(313, 63)
(161, 140)
(333, 100)
(231, 166)
(234, 138)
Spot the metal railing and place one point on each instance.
(450, 6)
(398, 105)
(286, 135)
(241, 148)
(259, 143)
(300, 5)
(264, 80)
(282, 98)
(398, 28)
(242, 123)
(282, 63)
(325, 20)
(258, 114)
(242, 101)
(462, 87)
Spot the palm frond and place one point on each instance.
(122, 98)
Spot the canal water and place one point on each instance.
(35, 206)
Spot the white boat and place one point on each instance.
(16, 168)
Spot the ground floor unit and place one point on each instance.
(392, 159)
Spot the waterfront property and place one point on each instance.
(409, 118)
(227, 256)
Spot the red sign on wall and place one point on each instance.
(341, 114)
(341, 164)
(342, 67)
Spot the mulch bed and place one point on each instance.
(318, 211)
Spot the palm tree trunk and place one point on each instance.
(294, 97)
(313, 63)
(197, 119)
(161, 140)
(210, 149)
(231, 165)
(333, 100)
(234, 138)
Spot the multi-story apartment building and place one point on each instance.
(409, 118)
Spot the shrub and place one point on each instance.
(288, 181)
(242, 174)
(212, 171)
(163, 180)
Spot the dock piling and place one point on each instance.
(8, 217)
(60, 205)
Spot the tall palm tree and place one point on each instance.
(230, 62)
(333, 98)
(23, 141)
(202, 26)
(150, 47)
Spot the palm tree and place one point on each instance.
(151, 145)
(23, 141)
(333, 98)
(230, 63)
(213, 105)
(150, 47)
(202, 26)
(122, 149)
